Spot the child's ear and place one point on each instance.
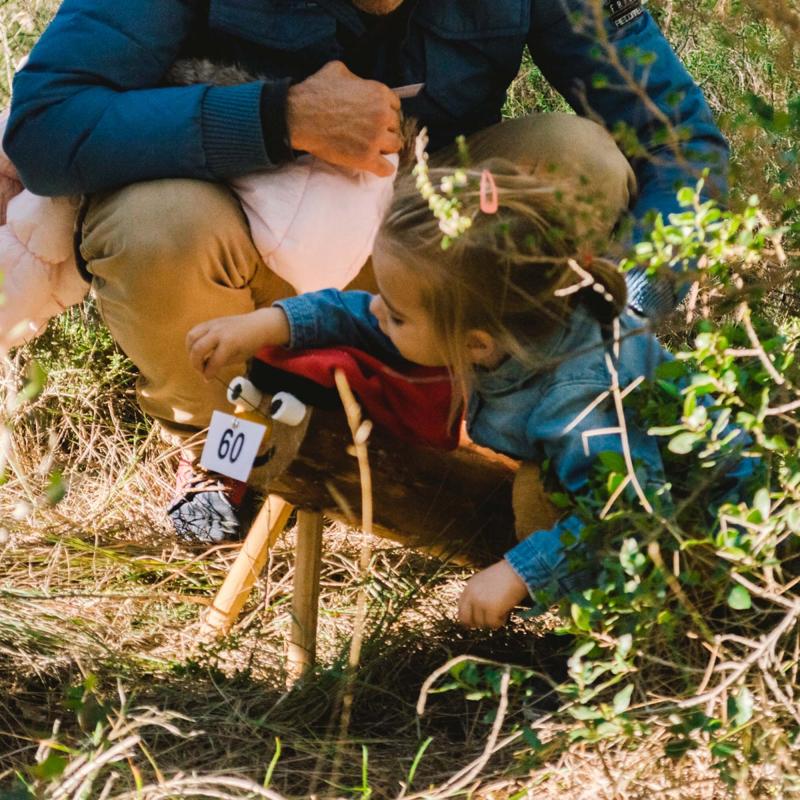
(482, 348)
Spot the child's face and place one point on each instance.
(401, 315)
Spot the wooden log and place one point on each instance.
(456, 505)
(305, 597)
(233, 593)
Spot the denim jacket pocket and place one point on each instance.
(279, 24)
(474, 19)
(473, 50)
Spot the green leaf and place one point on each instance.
(560, 499)
(670, 369)
(34, 384)
(622, 699)
(739, 598)
(585, 713)
(675, 748)
(581, 617)
(606, 729)
(683, 443)
(624, 644)
(613, 461)
(793, 518)
(723, 750)
(532, 739)
(744, 707)
(664, 431)
(670, 388)
(761, 503)
(53, 766)
(56, 488)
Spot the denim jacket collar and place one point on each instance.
(514, 372)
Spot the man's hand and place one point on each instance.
(214, 344)
(345, 120)
(490, 595)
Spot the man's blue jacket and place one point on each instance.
(88, 111)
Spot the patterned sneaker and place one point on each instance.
(208, 507)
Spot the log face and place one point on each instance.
(454, 504)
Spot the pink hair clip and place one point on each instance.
(488, 193)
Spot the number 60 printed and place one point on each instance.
(232, 445)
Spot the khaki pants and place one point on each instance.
(168, 254)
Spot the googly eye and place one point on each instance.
(287, 409)
(241, 390)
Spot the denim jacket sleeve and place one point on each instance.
(627, 74)
(331, 317)
(542, 557)
(88, 94)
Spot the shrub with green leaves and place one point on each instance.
(689, 631)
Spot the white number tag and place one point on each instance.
(232, 445)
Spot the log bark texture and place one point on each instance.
(455, 505)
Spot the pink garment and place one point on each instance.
(314, 224)
(39, 276)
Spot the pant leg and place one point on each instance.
(575, 154)
(166, 255)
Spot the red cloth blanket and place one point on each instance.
(412, 404)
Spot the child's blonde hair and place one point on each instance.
(508, 272)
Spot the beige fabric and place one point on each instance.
(171, 253)
(167, 255)
(566, 150)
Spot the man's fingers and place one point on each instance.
(394, 100)
(381, 167)
(390, 143)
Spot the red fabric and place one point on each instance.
(413, 404)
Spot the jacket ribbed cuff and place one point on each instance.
(233, 139)
(273, 121)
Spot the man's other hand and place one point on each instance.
(344, 119)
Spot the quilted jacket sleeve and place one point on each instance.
(87, 94)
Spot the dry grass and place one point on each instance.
(99, 610)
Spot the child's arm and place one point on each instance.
(490, 595)
(573, 448)
(226, 340)
(316, 319)
(330, 317)
(541, 560)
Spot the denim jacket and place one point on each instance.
(529, 413)
(88, 111)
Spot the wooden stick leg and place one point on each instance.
(266, 529)
(305, 600)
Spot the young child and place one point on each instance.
(523, 327)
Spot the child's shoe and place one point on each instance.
(208, 507)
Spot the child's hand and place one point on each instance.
(490, 595)
(229, 340)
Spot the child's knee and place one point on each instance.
(533, 510)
